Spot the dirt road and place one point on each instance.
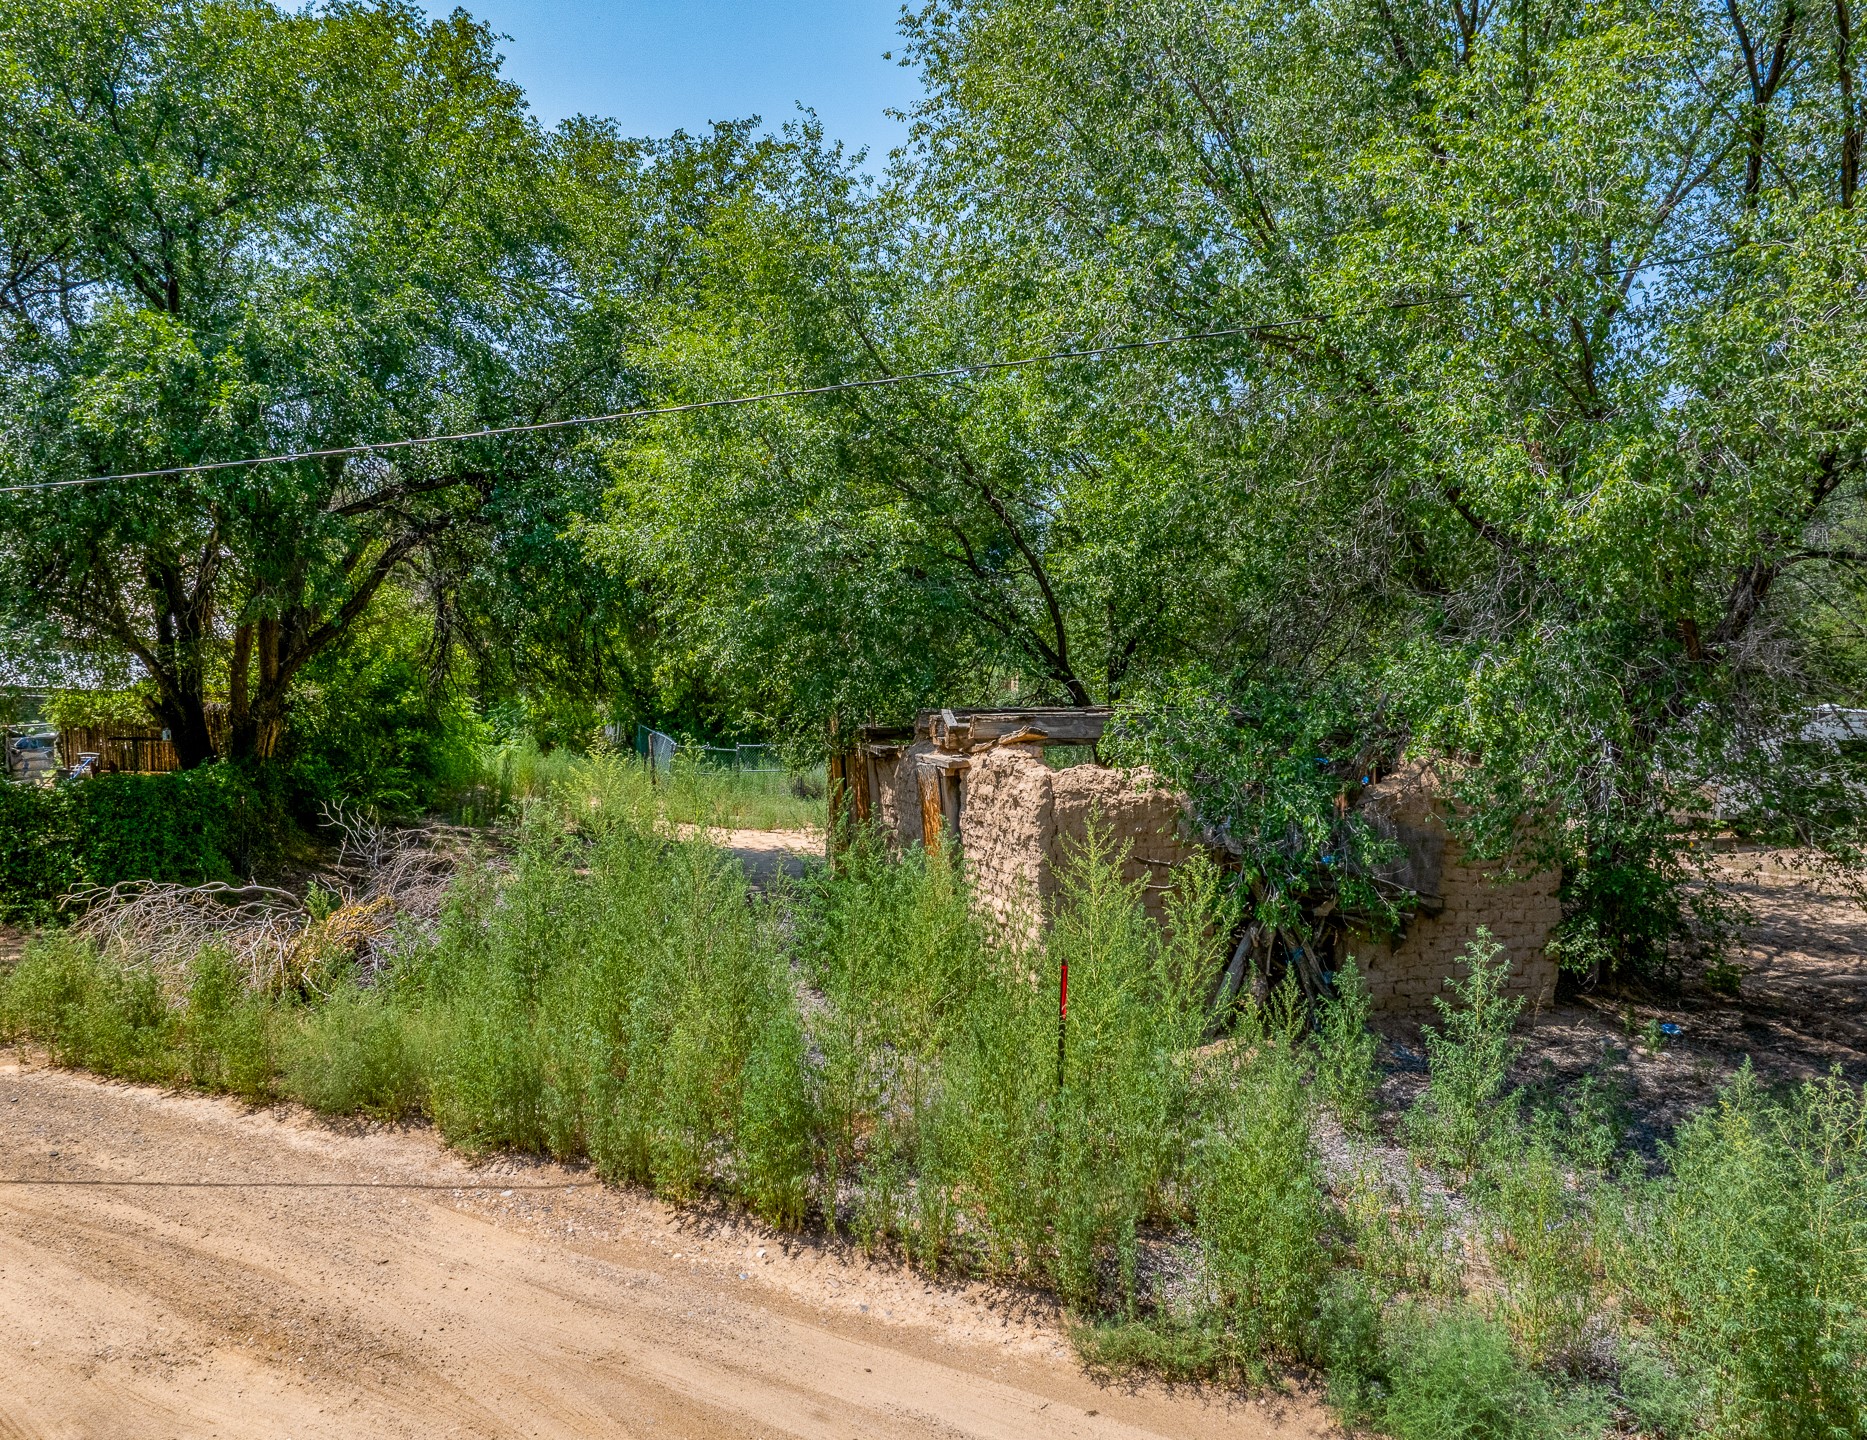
(443, 1299)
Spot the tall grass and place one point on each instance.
(1746, 1264)
(862, 1052)
(516, 773)
(1468, 1102)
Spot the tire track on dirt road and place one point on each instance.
(507, 1299)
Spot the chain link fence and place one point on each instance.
(660, 750)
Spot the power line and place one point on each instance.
(878, 382)
(979, 367)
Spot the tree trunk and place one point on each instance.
(256, 715)
(185, 718)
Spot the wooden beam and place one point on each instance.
(962, 730)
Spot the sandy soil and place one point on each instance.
(769, 853)
(306, 1281)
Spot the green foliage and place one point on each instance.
(356, 1052)
(1259, 1208)
(1058, 1178)
(1346, 1073)
(1540, 1242)
(1402, 1234)
(1467, 1103)
(1270, 764)
(301, 268)
(702, 794)
(1454, 1374)
(227, 1031)
(1748, 1261)
(1663, 1402)
(776, 1126)
(1169, 1350)
(635, 1012)
(90, 1013)
(129, 709)
(186, 827)
(371, 726)
(36, 861)
(617, 993)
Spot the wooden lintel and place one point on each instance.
(958, 730)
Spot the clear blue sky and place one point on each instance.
(659, 65)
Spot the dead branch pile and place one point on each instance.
(382, 896)
(164, 927)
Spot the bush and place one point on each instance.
(1467, 1101)
(1259, 1210)
(185, 827)
(227, 1030)
(617, 995)
(1453, 1375)
(37, 863)
(90, 1013)
(1165, 1349)
(1056, 1167)
(1748, 1262)
(1345, 1049)
(370, 724)
(356, 1053)
(1540, 1243)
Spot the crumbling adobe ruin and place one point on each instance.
(980, 779)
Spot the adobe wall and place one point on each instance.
(1019, 820)
(1022, 821)
(1458, 895)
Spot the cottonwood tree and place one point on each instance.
(226, 232)
(860, 553)
(1578, 383)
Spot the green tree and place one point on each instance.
(1545, 429)
(863, 552)
(231, 231)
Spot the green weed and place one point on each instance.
(359, 1052)
(91, 1013)
(1453, 1375)
(1540, 1242)
(1259, 1208)
(1468, 1102)
(1345, 1047)
(1747, 1263)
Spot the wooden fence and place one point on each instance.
(144, 751)
(120, 748)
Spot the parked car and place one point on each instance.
(31, 757)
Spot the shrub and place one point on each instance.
(91, 1013)
(618, 995)
(1054, 1179)
(1346, 1340)
(186, 827)
(370, 724)
(1663, 1402)
(1259, 1206)
(1467, 1101)
(226, 1030)
(357, 1052)
(1167, 1349)
(1748, 1262)
(1402, 1235)
(775, 1124)
(37, 861)
(1540, 1243)
(1345, 1049)
(1453, 1375)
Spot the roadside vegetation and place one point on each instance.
(1210, 1196)
(1482, 388)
